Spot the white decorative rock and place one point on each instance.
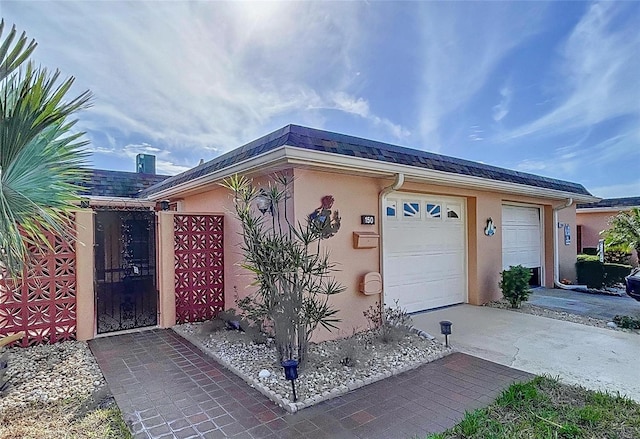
(612, 325)
(264, 373)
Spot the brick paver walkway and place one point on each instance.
(167, 388)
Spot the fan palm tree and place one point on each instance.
(41, 159)
(624, 230)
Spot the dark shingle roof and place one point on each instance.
(325, 141)
(118, 183)
(612, 202)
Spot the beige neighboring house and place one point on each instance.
(593, 218)
(424, 229)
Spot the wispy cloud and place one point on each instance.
(597, 74)
(460, 53)
(502, 108)
(631, 189)
(200, 78)
(604, 157)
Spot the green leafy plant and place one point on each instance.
(292, 271)
(624, 231)
(614, 256)
(627, 322)
(41, 161)
(514, 283)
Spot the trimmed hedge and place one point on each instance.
(594, 274)
(592, 251)
(615, 273)
(582, 258)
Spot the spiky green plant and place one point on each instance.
(41, 159)
(624, 230)
(292, 271)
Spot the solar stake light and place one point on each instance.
(291, 374)
(445, 329)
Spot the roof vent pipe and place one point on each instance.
(556, 255)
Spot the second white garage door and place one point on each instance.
(424, 251)
(521, 236)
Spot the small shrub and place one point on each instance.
(349, 351)
(615, 273)
(514, 283)
(590, 272)
(391, 322)
(627, 322)
(595, 274)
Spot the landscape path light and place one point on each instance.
(291, 374)
(445, 329)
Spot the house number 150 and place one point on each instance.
(367, 219)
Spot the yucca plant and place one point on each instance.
(292, 271)
(41, 159)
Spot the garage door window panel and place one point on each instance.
(454, 211)
(411, 209)
(391, 210)
(432, 210)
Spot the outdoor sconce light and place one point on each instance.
(263, 203)
(445, 329)
(164, 205)
(291, 374)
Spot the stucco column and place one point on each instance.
(166, 271)
(85, 299)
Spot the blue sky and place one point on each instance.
(548, 88)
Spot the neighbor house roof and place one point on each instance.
(343, 145)
(612, 203)
(105, 183)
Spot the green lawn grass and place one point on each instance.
(544, 408)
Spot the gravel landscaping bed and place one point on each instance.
(50, 373)
(333, 367)
(527, 308)
(57, 391)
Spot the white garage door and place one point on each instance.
(424, 251)
(521, 237)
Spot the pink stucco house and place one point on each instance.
(593, 218)
(434, 230)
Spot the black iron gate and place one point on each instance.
(125, 263)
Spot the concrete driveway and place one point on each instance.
(598, 306)
(596, 358)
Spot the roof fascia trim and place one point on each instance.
(96, 200)
(604, 209)
(294, 155)
(244, 166)
(327, 160)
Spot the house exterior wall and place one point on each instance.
(592, 224)
(566, 252)
(358, 195)
(354, 196)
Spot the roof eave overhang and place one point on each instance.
(292, 155)
(103, 201)
(613, 209)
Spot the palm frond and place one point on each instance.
(42, 162)
(10, 61)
